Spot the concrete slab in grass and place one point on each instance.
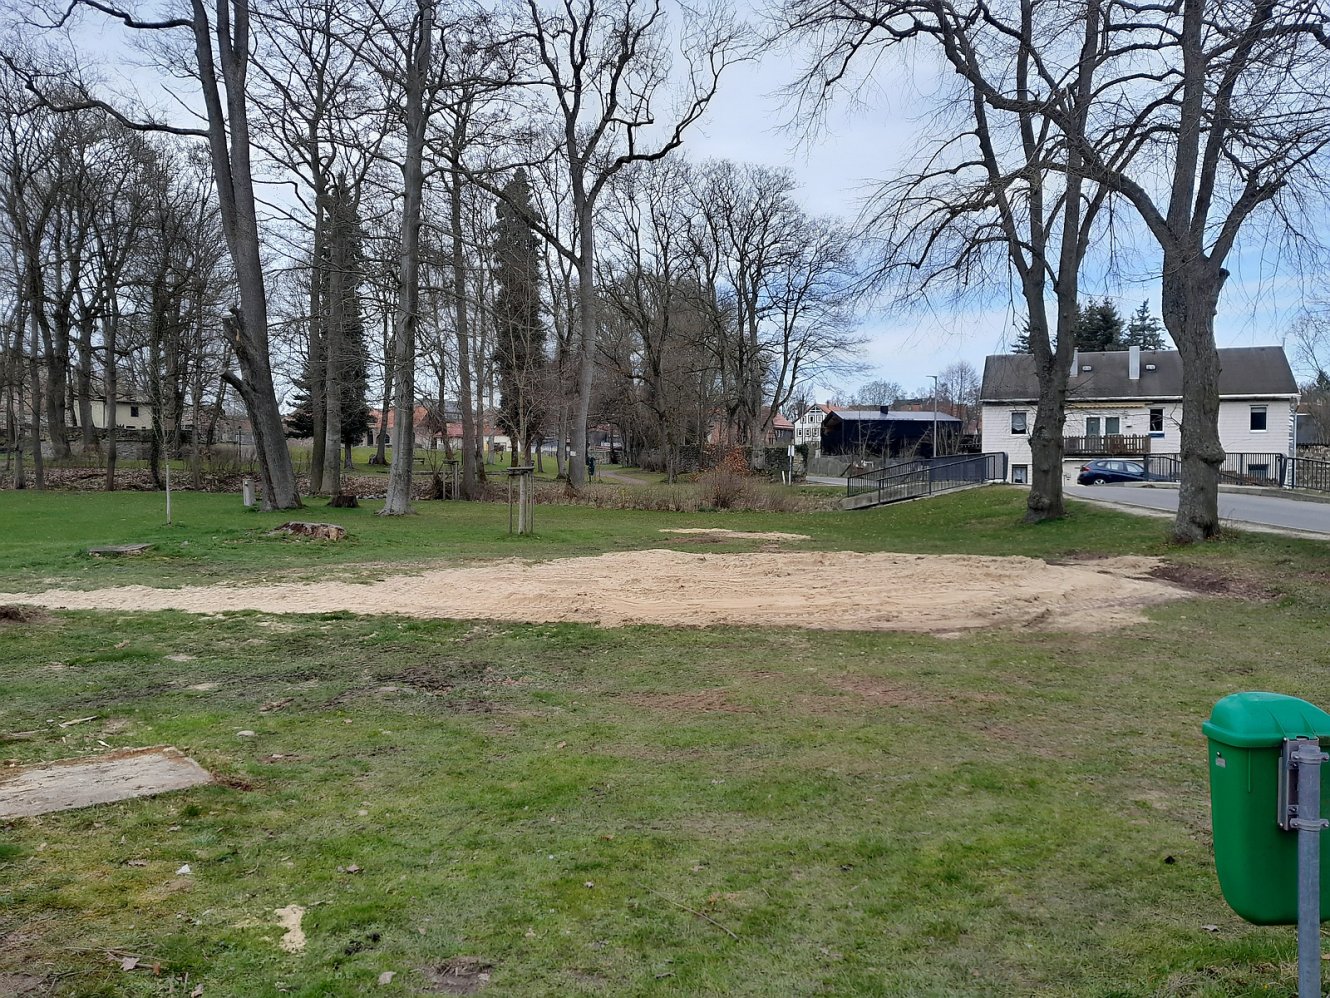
(101, 779)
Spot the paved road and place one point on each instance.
(1263, 511)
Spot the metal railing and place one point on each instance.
(1111, 444)
(1307, 473)
(927, 476)
(1251, 468)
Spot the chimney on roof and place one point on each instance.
(1134, 364)
(1075, 362)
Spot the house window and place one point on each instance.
(1112, 425)
(1092, 426)
(1018, 422)
(1020, 474)
(1258, 416)
(1258, 470)
(133, 412)
(1157, 422)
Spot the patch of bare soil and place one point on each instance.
(462, 975)
(700, 702)
(836, 590)
(882, 692)
(11, 614)
(21, 984)
(721, 534)
(436, 677)
(1210, 583)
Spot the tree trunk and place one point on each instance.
(83, 386)
(1190, 300)
(334, 335)
(246, 328)
(389, 349)
(398, 501)
(586, 323)
(315, 368)
(463, 330)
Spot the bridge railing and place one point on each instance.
(926, 476)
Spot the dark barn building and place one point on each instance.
(881, 432)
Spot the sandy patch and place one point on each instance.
(737, 535)
(99, 779)
(289, 918)
(835, 590)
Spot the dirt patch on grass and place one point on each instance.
(884, 693)
(836, 590)
(22, 984)
(1211, 583)
(699, 702)
(12, 614)
(462, 975)
(436, 677)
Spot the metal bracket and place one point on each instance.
(1295, 752)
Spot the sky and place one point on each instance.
(855, 146)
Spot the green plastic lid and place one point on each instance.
(1257, 720)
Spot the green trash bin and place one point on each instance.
(1256, 860)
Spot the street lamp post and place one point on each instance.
(934, 377)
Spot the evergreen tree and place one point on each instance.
(1145, 331)
(520, 348)
(1099, 326)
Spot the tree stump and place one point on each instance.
(118, 550)
(343, 501)
(318, 531)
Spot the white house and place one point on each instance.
(808, 427)
(129, 413)
(1129, 403)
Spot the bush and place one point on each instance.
(725, 486)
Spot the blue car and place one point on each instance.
(1116, 471)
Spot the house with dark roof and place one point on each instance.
(1128, 403)
(881, 431)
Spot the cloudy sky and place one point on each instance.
(857, 146)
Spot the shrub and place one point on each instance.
(725, 486)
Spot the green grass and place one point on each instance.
(869, 814)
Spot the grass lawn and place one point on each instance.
(633, 811)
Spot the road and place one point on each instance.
(1271, 512)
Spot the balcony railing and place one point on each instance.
(1113, 444)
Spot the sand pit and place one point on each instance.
(738, 535)
(98, 779)
(835, 590)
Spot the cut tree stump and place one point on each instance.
(319, 531)
(343, 501)
(118, 550)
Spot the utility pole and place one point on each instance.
(934, 377)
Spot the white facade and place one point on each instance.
(1160, 420)
(128, 414)
(808, 427)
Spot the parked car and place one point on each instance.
(1107, 472)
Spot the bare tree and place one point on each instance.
(1002, 197)
(604, 68)
(220, 62)
(416, 43)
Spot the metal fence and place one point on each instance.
(1250, 468)
(928, 475)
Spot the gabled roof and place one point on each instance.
(1244, 371)
(884, 415)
